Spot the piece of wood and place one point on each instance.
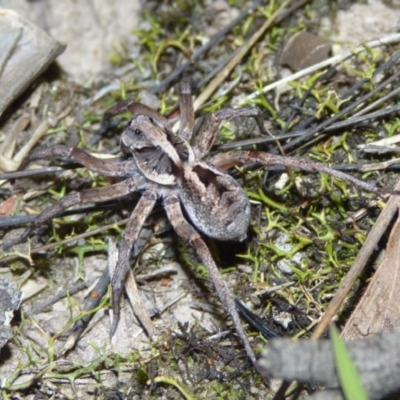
(362, 258)
(25, 52)
(377, 359)
(379, 309)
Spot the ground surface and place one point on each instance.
(298, 248)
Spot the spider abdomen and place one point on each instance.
(215, 202)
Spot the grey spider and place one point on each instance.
(161, 164)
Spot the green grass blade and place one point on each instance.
(349, 379)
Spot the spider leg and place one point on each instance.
(209, 129)
(186, 231)
(136, 109)
(104, 167)
(232, 158)
(186, 111)
(132, 231)
(86, 196)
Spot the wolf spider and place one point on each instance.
(163, 165)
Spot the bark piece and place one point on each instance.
(379, 309)
(376, 358)
(10, 299)
(25, 52)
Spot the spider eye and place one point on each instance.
(138, 132)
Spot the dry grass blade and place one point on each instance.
(131, 290)
(213, 85)
(38, 134)
(137, 304)
(8, 146)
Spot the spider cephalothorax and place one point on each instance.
(215, 202)
(161, 164)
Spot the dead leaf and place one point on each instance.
(7, 207)
(305, 49)
(379, 309)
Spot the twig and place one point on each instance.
(92, 301)
(39, 307)
(379, 101)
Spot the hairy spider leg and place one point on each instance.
(186, 126)
(105, 167)
(233, 158)
(187, 232)
(136, 109)
(95, 195)
(209, 129)
(132, 231)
